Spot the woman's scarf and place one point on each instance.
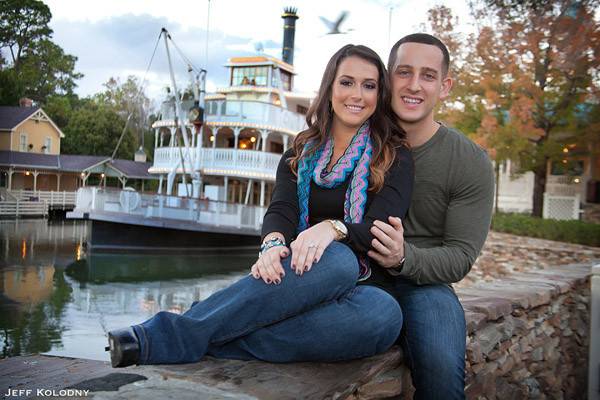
(354, 163)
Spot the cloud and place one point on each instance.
(112, 38)
(123, 45)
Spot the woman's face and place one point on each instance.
(354, 92)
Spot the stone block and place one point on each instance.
(488, 338)
(537, 354)
(474, 354)
(508, 391)
(520, 375)
(520, 326)
(493, 308)
(506, 365)
(384, 386)
(477, 368)
(475, 320)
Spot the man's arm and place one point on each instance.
(466, 226)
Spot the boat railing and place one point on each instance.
(242, 111)
(207, 212)
(249, 163)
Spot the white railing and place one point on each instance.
(149, 206)
(230, 162)
(561, 207)
(50, 197)
(248, 112)
(21, 208)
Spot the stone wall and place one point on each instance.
(527, 338)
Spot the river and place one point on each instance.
(56, 299)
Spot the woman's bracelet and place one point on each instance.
(267, 244)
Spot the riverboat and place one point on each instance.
(216, 171)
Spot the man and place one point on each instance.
(446, 225)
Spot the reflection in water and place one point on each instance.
(55, 299)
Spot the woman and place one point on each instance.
(302, 303)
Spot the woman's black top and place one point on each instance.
(392, 200)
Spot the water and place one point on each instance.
(55, 299)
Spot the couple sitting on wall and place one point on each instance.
(377, 208)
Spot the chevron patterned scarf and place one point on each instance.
(354, 163)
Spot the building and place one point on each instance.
(572, 186)
(32, 168)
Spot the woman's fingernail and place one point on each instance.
(277, 281)
(268, 280)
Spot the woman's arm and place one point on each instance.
(282, 214)
(392, 200)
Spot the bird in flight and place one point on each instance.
(334, 26)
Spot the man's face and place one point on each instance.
(418, 81)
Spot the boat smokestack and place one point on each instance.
(289, 30)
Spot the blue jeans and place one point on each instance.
(319, 316)
(433, 339)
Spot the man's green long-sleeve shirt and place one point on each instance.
(451, 208)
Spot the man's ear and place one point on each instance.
(446, 86)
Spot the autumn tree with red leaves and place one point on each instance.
(540, 64)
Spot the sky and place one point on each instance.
(116, 38)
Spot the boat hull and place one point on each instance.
(121, 237)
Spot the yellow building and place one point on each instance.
(30, 158)
(28, 129)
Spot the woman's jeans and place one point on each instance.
(319, 316)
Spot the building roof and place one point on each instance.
(132, 169)
(78, 163)
(74, 163)
(28, 160)
(13, 116)
(259, 60)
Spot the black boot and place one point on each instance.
(124, 347)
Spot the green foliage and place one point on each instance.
(36, 67)
(22, 24)
(46, 70)
(564, 231)
(94, 128)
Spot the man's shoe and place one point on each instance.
(124, 347)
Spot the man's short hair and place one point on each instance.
(423, 38)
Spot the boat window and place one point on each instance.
(251, 76)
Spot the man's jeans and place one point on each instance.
(433, 339)
(319, 316)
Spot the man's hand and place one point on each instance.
(388, 244)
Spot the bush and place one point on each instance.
(564, 231)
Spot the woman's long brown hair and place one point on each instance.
(386, 134)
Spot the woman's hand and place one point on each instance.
(310, 245)
(268, 266)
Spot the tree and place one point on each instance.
(36, 67)
(129, 100)
(47, 70)
(94, 128)
(541, 58)
(23, 23)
